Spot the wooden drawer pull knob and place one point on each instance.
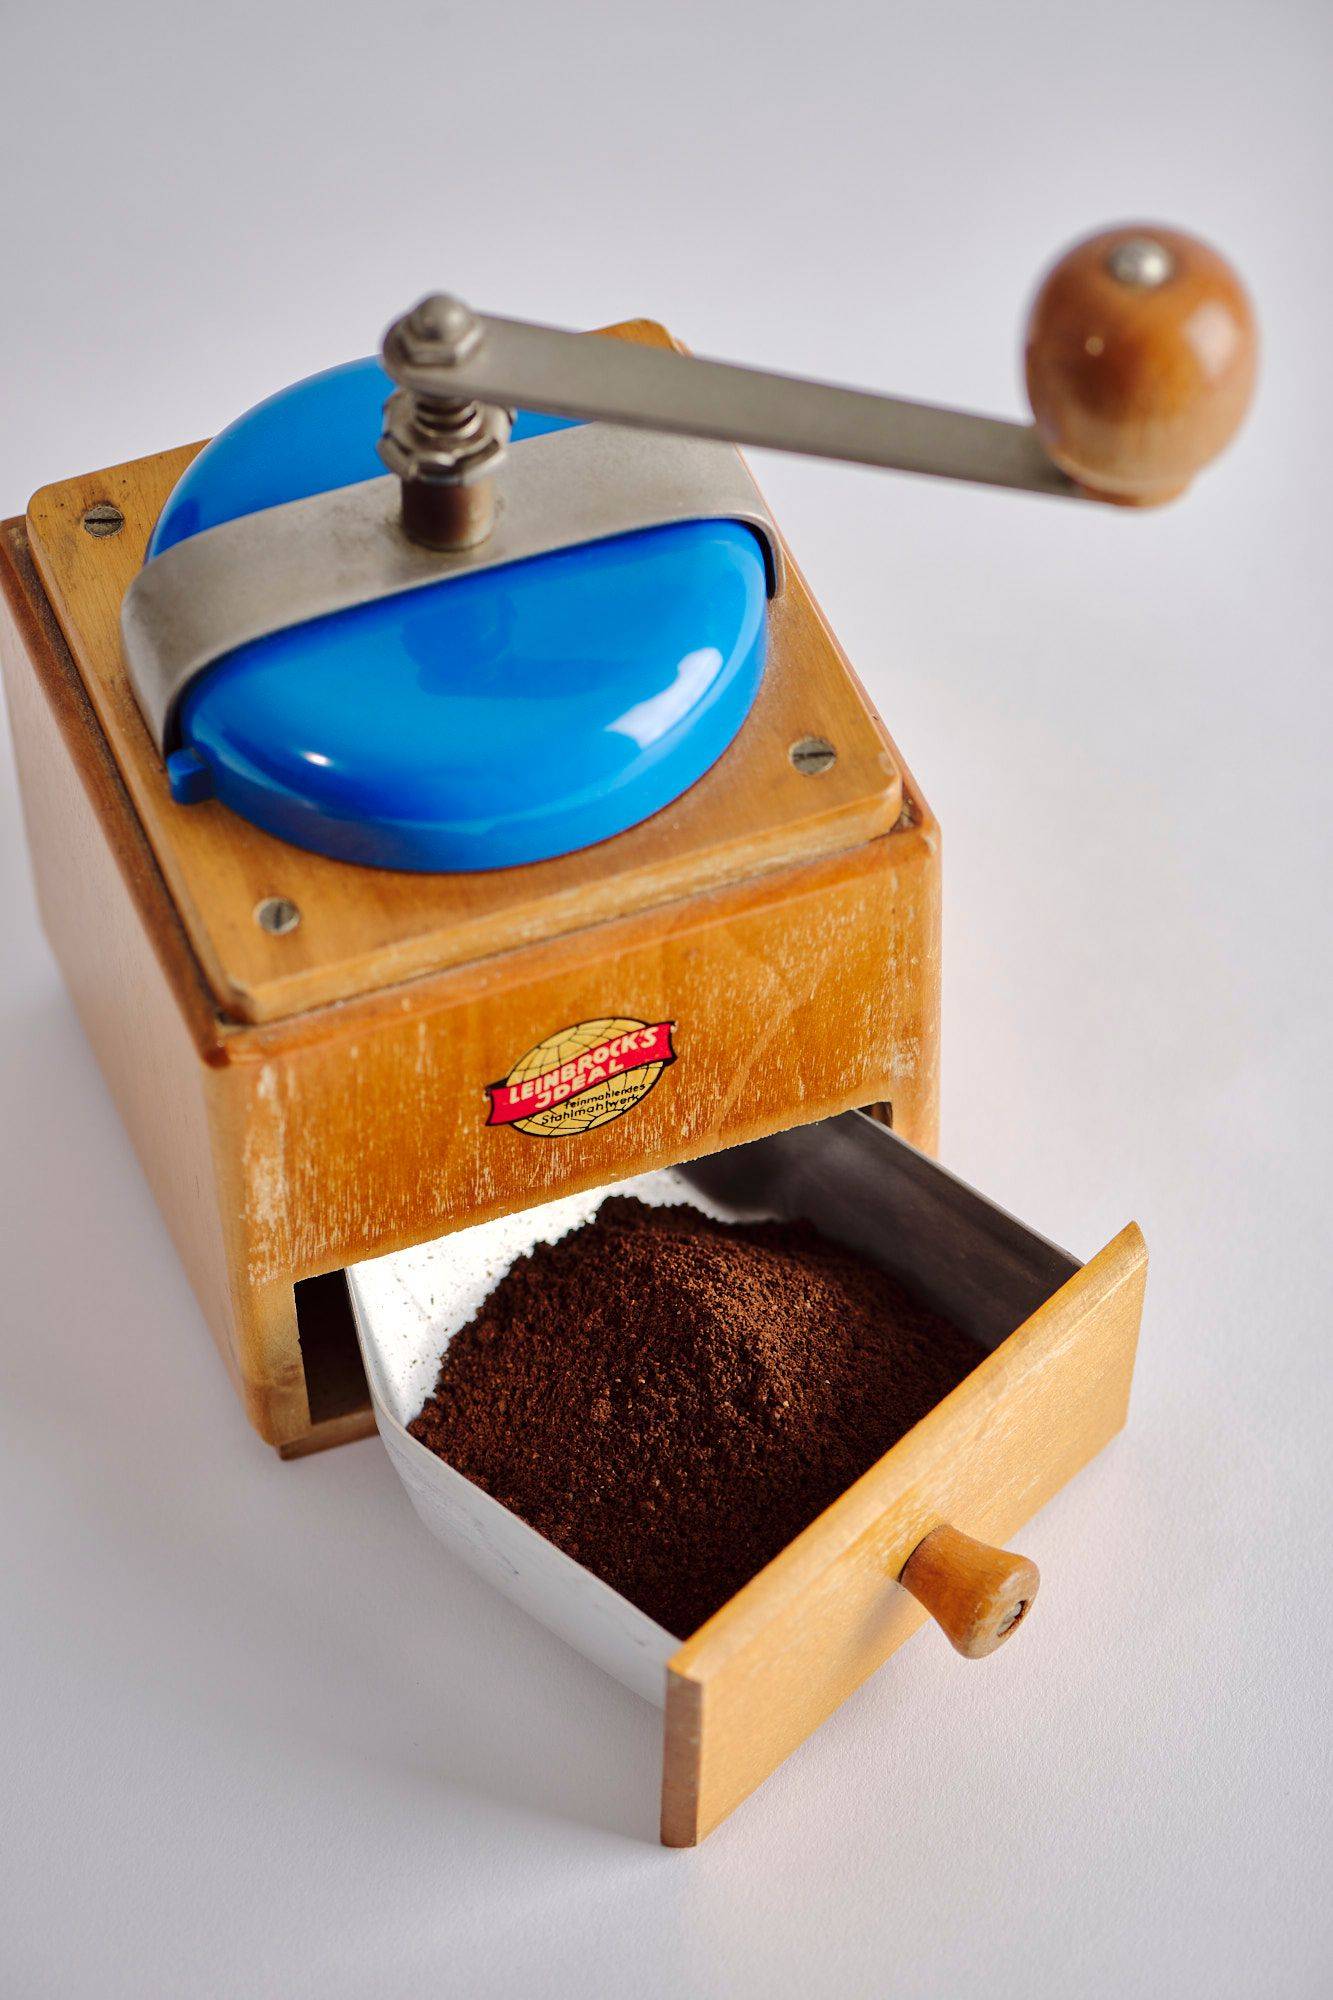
(976, 1594)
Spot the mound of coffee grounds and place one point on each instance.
(671, 1399)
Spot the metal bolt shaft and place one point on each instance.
(444, 448)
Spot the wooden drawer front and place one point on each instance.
(797, 1640)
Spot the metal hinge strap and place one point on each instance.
(284, 566)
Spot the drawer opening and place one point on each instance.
(335, 1378)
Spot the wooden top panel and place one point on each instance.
(366, 928)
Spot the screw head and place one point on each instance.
(103, 519)
(277, 915)
(1014, 1616)
(1141, 263)
(813, 755)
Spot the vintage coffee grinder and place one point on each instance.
(424, 848)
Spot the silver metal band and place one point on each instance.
(285, 565)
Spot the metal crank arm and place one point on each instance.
(515, 362)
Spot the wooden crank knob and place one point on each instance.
(1141, 354)
(976, 1594)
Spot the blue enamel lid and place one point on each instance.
(490, 720)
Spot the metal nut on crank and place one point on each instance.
(439, 332)
(414, 449)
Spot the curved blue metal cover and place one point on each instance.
(490, 720)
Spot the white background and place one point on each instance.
(260, 1736)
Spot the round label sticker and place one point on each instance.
(582, 1077)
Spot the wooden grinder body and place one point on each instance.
(302, 1101)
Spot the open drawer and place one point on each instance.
(780, 1655)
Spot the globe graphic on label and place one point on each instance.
(587, 1077)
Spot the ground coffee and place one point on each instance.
(671, 1399)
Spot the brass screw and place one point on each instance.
(813, 755)
(277, 915)
(102, 520)
(1015, 1617)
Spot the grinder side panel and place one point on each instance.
(139, 996)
